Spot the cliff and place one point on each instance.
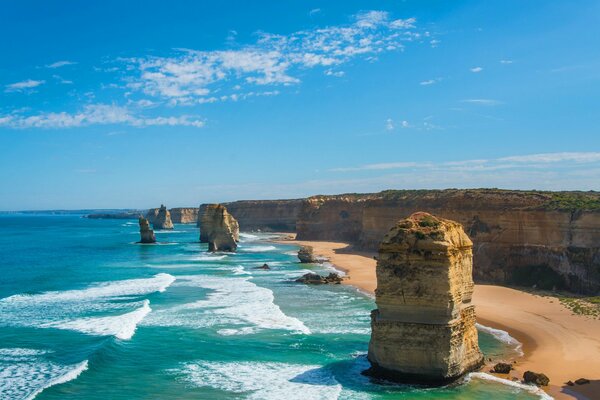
(146, 234)
(181, 215)
(266, 215)
(547, 239)
(218, 228)
(423, 329)
(162, 220)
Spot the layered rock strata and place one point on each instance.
(266, 215)
(547, 239)
(146, 233)
(218, 228)
(163, 219)
(423, 329)
(180, 215)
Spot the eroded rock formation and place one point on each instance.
(163, 219)
(266, 215)
(146, 233)
(316, 279)
(218, 228)
(423, 329)
(306, 255)
(181, 215)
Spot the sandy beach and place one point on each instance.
(561, 345)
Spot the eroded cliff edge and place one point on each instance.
(547, 239)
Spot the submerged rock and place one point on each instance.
(163, 219)
(146, 234)
(423, 330)
(502, 368)
(265, 266)
(316, 279)
(218, 228)
(536, 378)
(306, 256)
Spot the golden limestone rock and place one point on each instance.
(163, 219)
(423, 329)
(218, 228)
(146, 233)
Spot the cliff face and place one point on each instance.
(218, 228)
(424, 327)
(184, 215)
(523, 238)
(146, 234)
(162, 220)
(266, 215)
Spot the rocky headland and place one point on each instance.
(218, 228)
(146, 233)
(423, 330)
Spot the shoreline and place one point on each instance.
(554, 341)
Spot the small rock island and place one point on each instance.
(162, 219)
(218, 228)
(423, 330)
(146, 233)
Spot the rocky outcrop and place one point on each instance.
(162, 220)
(536, 378)
(547, 239)
(266, 215)
(423, 329)
(306, 256)
(146, 233)
(181, 215)
(218, 228)
(502, 368)
(316, 279)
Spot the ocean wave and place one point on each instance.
(208, 257)
(518, 385)
(264, 381)
(248, 237)
(234, 305)
(502, 336)
(121, 326)
(28, 376)
(256, 249)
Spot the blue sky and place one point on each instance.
(111, 105)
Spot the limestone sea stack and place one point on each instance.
(218, 228)
(146, 233)
(423, 330)
(163, 219)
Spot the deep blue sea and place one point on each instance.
(86, 313)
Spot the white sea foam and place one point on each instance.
(265, 381)
(257, 249)
(248, 237)
(518, 385)
(68, 309)
(208, 257)
(233, 306)
(26, 374)
(502, 336)
(121, 326)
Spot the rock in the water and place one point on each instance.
(305, 255)
(316, 279)
(218, 228)
(265, 266)
(163, 219)
(146, 234)
(538, 379)
(582, 381)
(424, 328)
(502, 368)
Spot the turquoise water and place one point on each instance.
(86, 313)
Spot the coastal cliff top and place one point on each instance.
(424, 231)
(486, 198)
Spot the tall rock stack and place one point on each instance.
(146, 234)
(163, 219)
(423, 330)
(218, 228)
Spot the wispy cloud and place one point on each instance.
(94, 114)
(476, 69)
(541, 160)
(191, 75)
(430, 82)
(314, 11)
(389, 124)
(23, 85)
(483, 102)
(59, 64)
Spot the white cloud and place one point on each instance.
(59, 64)
(476, 69)
(405, 124)
(192, 76)
(23, 85)
(337, 74)
(314, 11)
(60, 79)
(434, 42)
(389, 124)
(484, 102)
(94, 114)
(578, 157)
(430, 82)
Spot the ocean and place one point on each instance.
(87, 313)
